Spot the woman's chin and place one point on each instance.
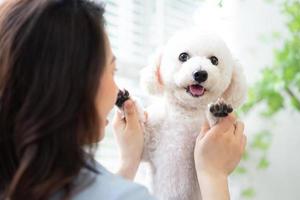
(101, 135)
(102, 130)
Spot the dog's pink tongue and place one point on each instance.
(197, 90)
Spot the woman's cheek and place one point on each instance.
(116, 93)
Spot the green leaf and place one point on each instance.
(276, 35)
(290, 72)
(262, 140)
(274, 102)
(263, 163)
(295, 103)
(245, 156)
(252, 100)
(240, 170)
(297, 81)
(248, 192)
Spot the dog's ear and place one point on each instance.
(236, 92)
(151, 79)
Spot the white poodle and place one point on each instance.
(192, 71)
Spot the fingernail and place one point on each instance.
(128, 105)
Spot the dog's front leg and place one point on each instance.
(217, 110)
(150, 142)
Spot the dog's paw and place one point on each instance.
(220, 109)
(122, 97)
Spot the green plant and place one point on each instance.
(276, 90)
(279, 85)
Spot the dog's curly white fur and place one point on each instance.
(174, 121)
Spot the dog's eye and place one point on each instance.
(214, 60)
(183, 57)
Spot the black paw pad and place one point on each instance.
(122, 97)
(220, 109)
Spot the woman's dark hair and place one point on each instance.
(52, 55)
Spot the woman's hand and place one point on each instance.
(130, 138)
(218, 151)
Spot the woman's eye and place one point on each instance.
(183, 57)
(214, 60)
(115, 71)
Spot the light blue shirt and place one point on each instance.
(107, 186)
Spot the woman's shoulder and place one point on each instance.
(105, 185)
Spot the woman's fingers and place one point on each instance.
(242, 144)
(225, 123)
(240, 136)
(132, 120)
(118, 120)
(239, 129)
(231, 117)
(204, 129)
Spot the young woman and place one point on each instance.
(57, 88)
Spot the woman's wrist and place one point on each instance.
(128, 169)
(213, 186)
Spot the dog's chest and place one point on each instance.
(177, 137)
(181, 128)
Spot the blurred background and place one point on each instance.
(265, 36)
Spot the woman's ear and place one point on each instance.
(236, 92)
(151, 79)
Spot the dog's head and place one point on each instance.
(195, 69)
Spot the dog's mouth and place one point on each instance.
(196, 90)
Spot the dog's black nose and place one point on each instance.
(200, 76)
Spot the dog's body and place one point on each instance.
(188, 77)
(169, 149)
